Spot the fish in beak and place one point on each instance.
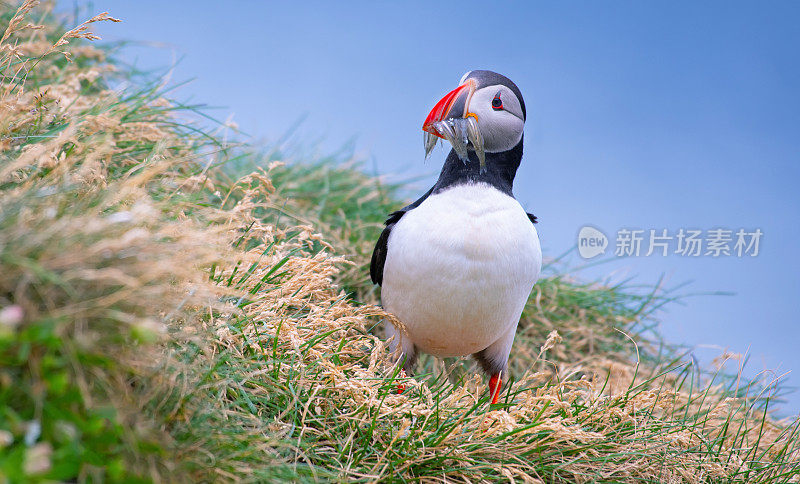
(452, 120)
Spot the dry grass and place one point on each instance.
(171, 311)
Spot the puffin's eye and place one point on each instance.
(497, 103)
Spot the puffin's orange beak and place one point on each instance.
(455, 104)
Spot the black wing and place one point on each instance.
(379, 253)
(533, 218)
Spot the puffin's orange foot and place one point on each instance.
(495, 382)
(402, 386)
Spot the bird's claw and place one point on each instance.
(401, 387)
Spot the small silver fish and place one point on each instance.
(476, 139)
(430, 143)
(463, 134)
(459, 138)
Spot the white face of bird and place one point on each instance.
(476, 117)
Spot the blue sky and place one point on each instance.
(640, 115)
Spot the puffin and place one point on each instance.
(457, 266)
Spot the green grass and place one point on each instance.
(175, 307)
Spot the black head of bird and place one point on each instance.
(485, 113)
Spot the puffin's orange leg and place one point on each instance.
(401, 386)
(495, 382)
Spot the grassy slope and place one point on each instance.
(175, 307)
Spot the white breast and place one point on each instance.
(459, 269)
